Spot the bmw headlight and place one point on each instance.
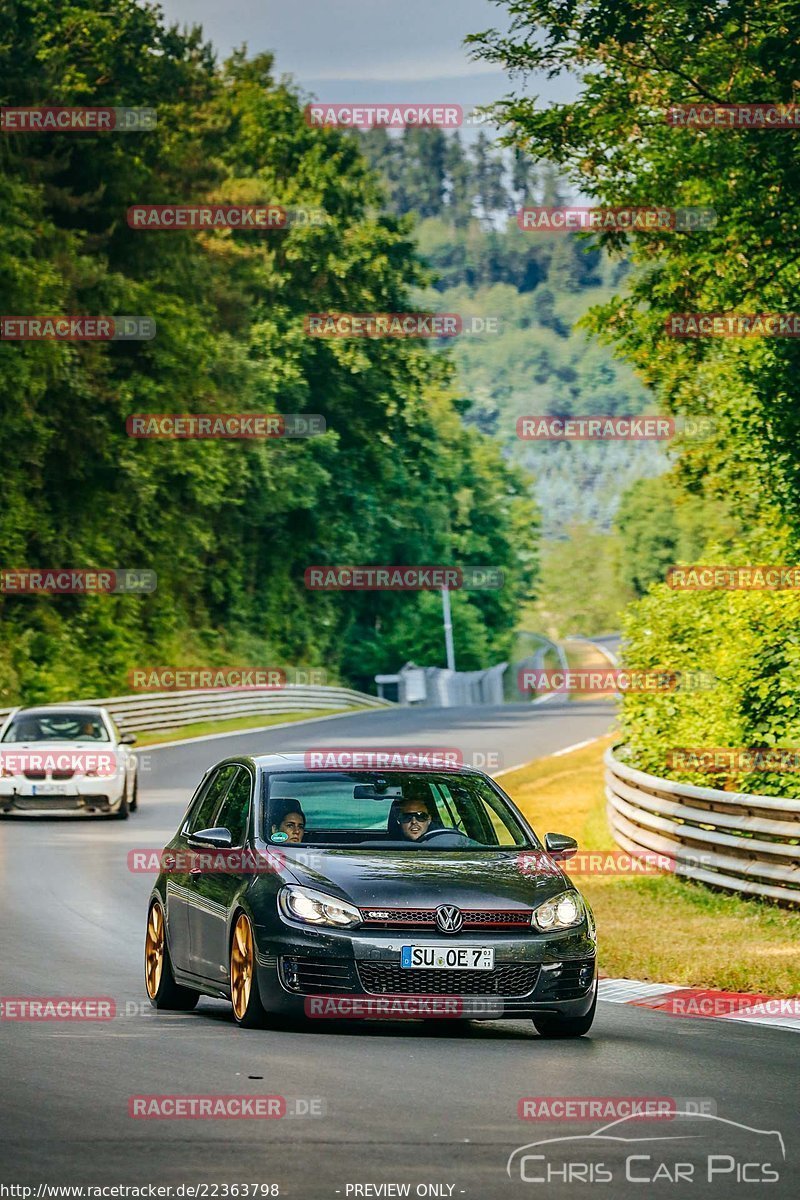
(316, 908)
(562, 912)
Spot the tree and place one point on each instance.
(228, 527)
(614, 143)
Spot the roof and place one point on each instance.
(68, 706)
(297, 760)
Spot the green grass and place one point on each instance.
(659, 928)
(153, 737)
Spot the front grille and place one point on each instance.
(34, 774)
(388, 978)
(318, 976)
(62, 774)
(571, 979)
(425, 918)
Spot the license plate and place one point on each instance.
(448, 958)
(50, 789)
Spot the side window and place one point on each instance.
(236, 807)
(203, 815)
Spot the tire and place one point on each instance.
(162, 990)
(134, 803)
(121, 814)
(550, 1026)
(248, 1011)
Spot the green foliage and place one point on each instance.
(750, 642)
(229, 527)
(538, 286)
(539, 361)
(580, 590)
(614, 143)
(659, 525)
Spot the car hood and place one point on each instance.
(424, 879)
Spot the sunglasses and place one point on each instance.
(405, 817)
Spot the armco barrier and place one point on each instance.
(171, 710)
(732, 840)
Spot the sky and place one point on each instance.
(366, 50)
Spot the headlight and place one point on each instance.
(315, 908)
(562, 912)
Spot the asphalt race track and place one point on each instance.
(428, 1105)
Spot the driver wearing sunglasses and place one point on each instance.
(414, 820)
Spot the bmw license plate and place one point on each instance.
(450, 958)
(50, 789)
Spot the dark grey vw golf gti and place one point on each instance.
(301, 890)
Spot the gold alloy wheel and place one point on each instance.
(154, 951)
(242, 962)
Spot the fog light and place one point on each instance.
(290, 974)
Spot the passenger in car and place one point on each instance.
(290, 819)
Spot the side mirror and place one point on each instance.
(128, 739)
(559, 845)
(218, 837)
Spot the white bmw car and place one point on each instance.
(65, 758)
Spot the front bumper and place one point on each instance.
(303, 972)
(85, 795)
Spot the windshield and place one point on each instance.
(419, 810)
(66, 726)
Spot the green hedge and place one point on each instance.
(750, 642)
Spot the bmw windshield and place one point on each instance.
(71, 725)
(411, 810)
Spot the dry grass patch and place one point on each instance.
(659, 928)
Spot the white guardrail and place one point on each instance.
(732, 840)
(171, 710)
